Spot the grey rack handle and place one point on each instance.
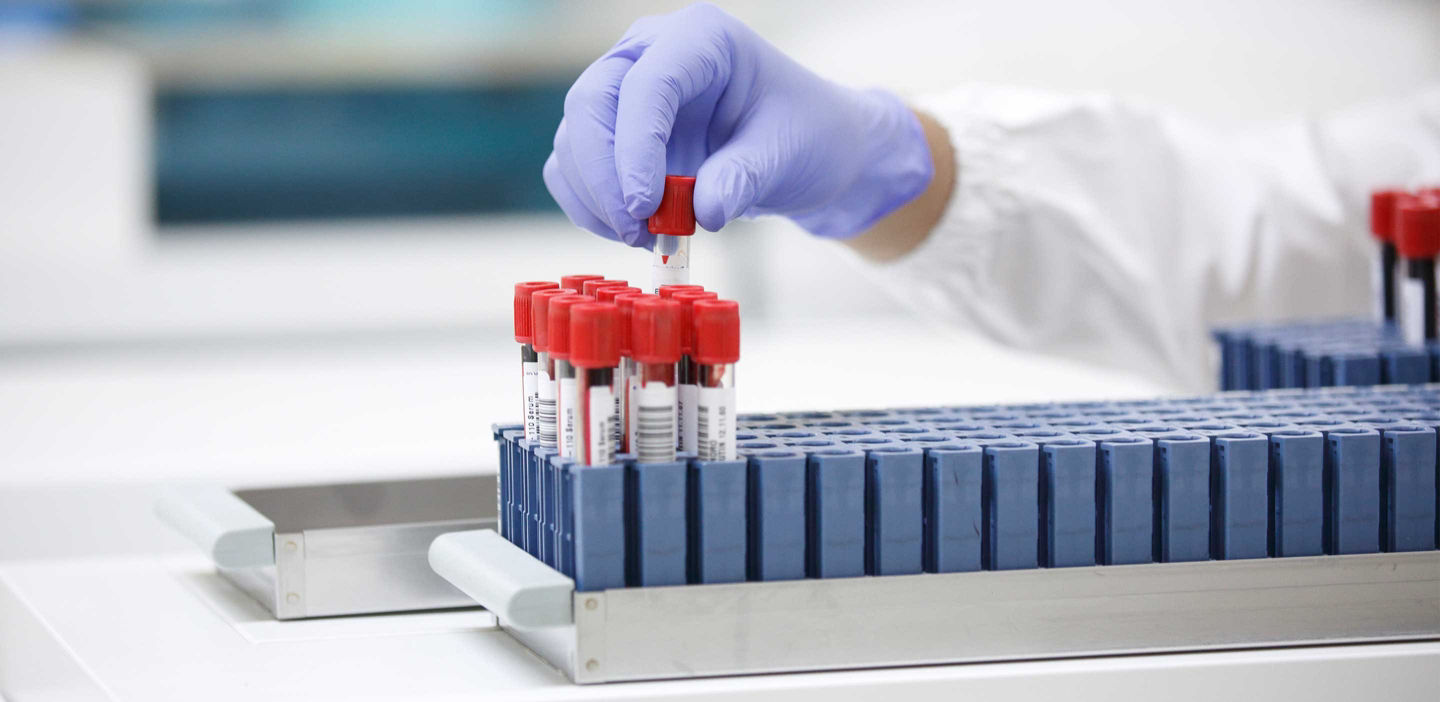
(503, 578)
(224, 526)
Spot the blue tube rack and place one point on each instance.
(1322, 353)
(1253, 474)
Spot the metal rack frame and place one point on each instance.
(806, 625)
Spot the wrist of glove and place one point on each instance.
(895, 167)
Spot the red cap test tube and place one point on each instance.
(716, 350)
(547, 392)
(594, 352)
(1382, 227)
(685, 403)
(1417, 238)
(626, 374)
(529, 358)
(673, 224)
(655, 332)
(567, 397)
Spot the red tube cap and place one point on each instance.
(608, 293)
(574, 283)
(668, 291)
(687, 298)
(540, 316)
(594, 335)
(559, 342)
(717, 332)
(590, 286)
(1382, 213)
(676, 214)
(656, 330)
(1418, 229)
(625, 302)
(524, 319)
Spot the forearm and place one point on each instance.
(906, 228)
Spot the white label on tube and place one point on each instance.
(600, 425)
(715, 424)
(1412, 310)
(569, 405)
(685, 415)
(530, 380)
(545, 411)
(654, 420)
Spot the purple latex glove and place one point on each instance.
(698, 92)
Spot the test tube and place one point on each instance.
(1418, 241)
(686, 380)
(673, 224)
(547, 392)
(567, 404)
(627, 374)
(529, 358)
(1382, 226)
(717, 349)
(594, 352)
(590, 286)
(576, 283)
(656, 330)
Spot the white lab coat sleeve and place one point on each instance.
(1117, 232)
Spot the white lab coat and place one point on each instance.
(1116, 232)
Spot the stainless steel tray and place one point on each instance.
(766, 627)
(325, 550)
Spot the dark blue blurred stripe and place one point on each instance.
(301, 153)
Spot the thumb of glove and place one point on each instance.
(729, 183)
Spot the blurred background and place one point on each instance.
(257, 241)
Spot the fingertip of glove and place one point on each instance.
(640, 202)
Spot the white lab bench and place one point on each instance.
(100, 601)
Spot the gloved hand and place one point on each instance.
(698, 92)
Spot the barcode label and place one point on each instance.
(600, 428)
(617, 392)
(685, 415)
(654, 423)
(568, 404)
(530, 387)
(545, 412)
(1412, 311)
(715, 424)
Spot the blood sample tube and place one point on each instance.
(668, 291)
(529, 359)
(610, 292)
(673, 224)
(590, 286)
(656, 330)
(547, 391)
(567, 397)
(576, 283)
(1418, 240)
(1382, 226)
(686, 381)
(626, 375)
(594, 352)
(717, 348)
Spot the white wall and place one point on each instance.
(1225, 60)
